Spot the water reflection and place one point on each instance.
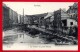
(13, 36)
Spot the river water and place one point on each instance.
(14, 37)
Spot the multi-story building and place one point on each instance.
(63, 19)
(73, 11)
(6, 18)
(15, 17)
(60, 18)
(10, 17)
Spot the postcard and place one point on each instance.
(39, 26)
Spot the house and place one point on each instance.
(63, 19)
(69, 23)
(73, 11)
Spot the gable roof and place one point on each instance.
(64, 15)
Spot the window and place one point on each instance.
(64, 22)
(71, 23)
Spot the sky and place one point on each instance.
(31, 8)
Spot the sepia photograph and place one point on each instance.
(40, 25)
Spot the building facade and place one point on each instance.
(60, 17)
(10, 17)
(73, 11)
(6, 18)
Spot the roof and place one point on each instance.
(64, 15)
(49, 15)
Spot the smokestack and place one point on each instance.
(23, 15)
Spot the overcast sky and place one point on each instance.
(31, 8)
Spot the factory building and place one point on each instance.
(10, 17)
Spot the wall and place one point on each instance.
(15, 17)
(25, 20)
(71, 20)
(6, 18)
